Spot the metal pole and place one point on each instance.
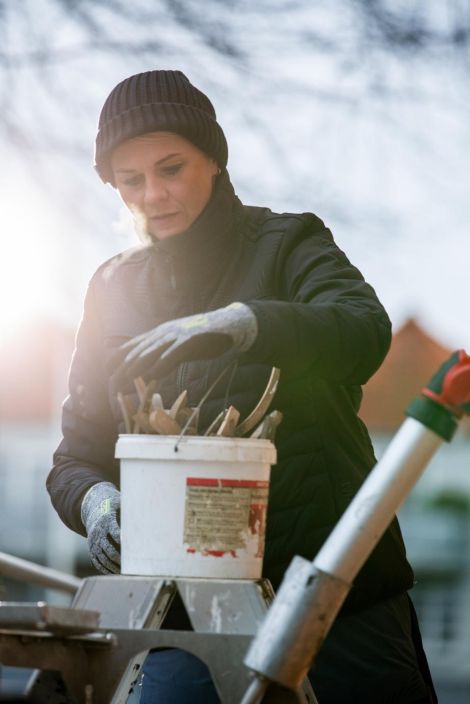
(256, 691)
(373, 507)
(28, 571)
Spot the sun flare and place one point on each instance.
(29, 262)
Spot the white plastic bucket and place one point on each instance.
(199, 511)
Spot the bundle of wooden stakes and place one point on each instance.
(181, 419)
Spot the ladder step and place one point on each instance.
(39, 616)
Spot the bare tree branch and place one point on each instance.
(338, 56)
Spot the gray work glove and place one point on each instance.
(100, 516)
(202, 336)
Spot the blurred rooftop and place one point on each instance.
(413, 358)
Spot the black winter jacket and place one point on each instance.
(318, 321)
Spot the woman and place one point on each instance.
(215, 282)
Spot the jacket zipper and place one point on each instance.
(181, 371)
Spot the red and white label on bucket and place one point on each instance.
(225, 516)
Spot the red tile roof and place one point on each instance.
(412, 360)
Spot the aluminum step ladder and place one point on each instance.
(81, 662)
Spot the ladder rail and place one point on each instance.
(25, 570)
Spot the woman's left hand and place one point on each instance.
(202, 336)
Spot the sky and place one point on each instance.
(375, 143)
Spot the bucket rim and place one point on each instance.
(134, 445)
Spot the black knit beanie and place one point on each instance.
(157, 101)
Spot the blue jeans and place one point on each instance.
(176, 677)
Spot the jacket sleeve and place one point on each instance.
(329, 320)
(86, 454)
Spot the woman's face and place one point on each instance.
(164, 180)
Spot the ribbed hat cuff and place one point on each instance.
(188, 121)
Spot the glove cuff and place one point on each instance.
(94, 503)
(244, 325)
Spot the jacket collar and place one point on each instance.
(203, 248)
